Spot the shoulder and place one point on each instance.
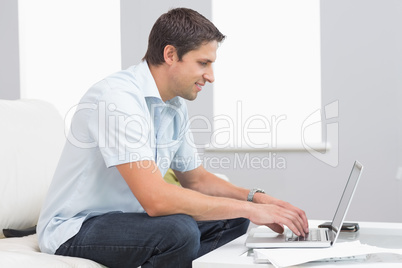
(120, 88)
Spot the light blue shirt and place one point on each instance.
(120, 119)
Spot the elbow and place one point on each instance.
(156, 210)
(160, 202)
(153, 212)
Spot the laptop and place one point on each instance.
(317, 237)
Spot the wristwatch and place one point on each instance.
(252, 193)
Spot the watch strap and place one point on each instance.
(252, 192)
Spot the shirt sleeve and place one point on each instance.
(121, 127)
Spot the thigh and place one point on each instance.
(131, 239)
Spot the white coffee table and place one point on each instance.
(387, 235)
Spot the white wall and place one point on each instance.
(272, 52)
(66, 48)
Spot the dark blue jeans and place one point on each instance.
(135, 239)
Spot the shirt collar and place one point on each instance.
(148, 85)
(175, 102)
(146, 80)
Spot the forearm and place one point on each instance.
(199, 205)
(208, 183)
(215, 186)
(265, 209)
(159, 198)
(203, 207)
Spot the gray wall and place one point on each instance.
(361, 68)
(362, 63)
(9, 52)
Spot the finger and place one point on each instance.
(305, 221)
(303, 218)
(300, 212)
(291, 219)
(293, 226)
(296, 221)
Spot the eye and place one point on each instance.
(203, 63)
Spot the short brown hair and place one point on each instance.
(183, 28)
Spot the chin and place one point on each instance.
(190, 97)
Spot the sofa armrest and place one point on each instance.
(31, 140)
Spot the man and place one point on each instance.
(108, 201)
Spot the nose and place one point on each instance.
(209, 75)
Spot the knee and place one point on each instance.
(179, 244)
(183, 233)
(187, 230)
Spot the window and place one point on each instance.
(267, 73)
(65, 47)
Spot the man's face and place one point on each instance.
(195, 69)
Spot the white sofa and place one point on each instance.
(31, 140)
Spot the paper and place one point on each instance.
(288, 257)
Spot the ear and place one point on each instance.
(170, 54)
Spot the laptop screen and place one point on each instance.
(346, 197)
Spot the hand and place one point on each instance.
(297, 217)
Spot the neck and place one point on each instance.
(160, 75)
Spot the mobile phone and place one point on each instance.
(346, 226)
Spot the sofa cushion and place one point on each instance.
(24, 252)
(31, 140)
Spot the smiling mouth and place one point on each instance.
(199, 87)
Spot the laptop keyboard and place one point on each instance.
(313, 235)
